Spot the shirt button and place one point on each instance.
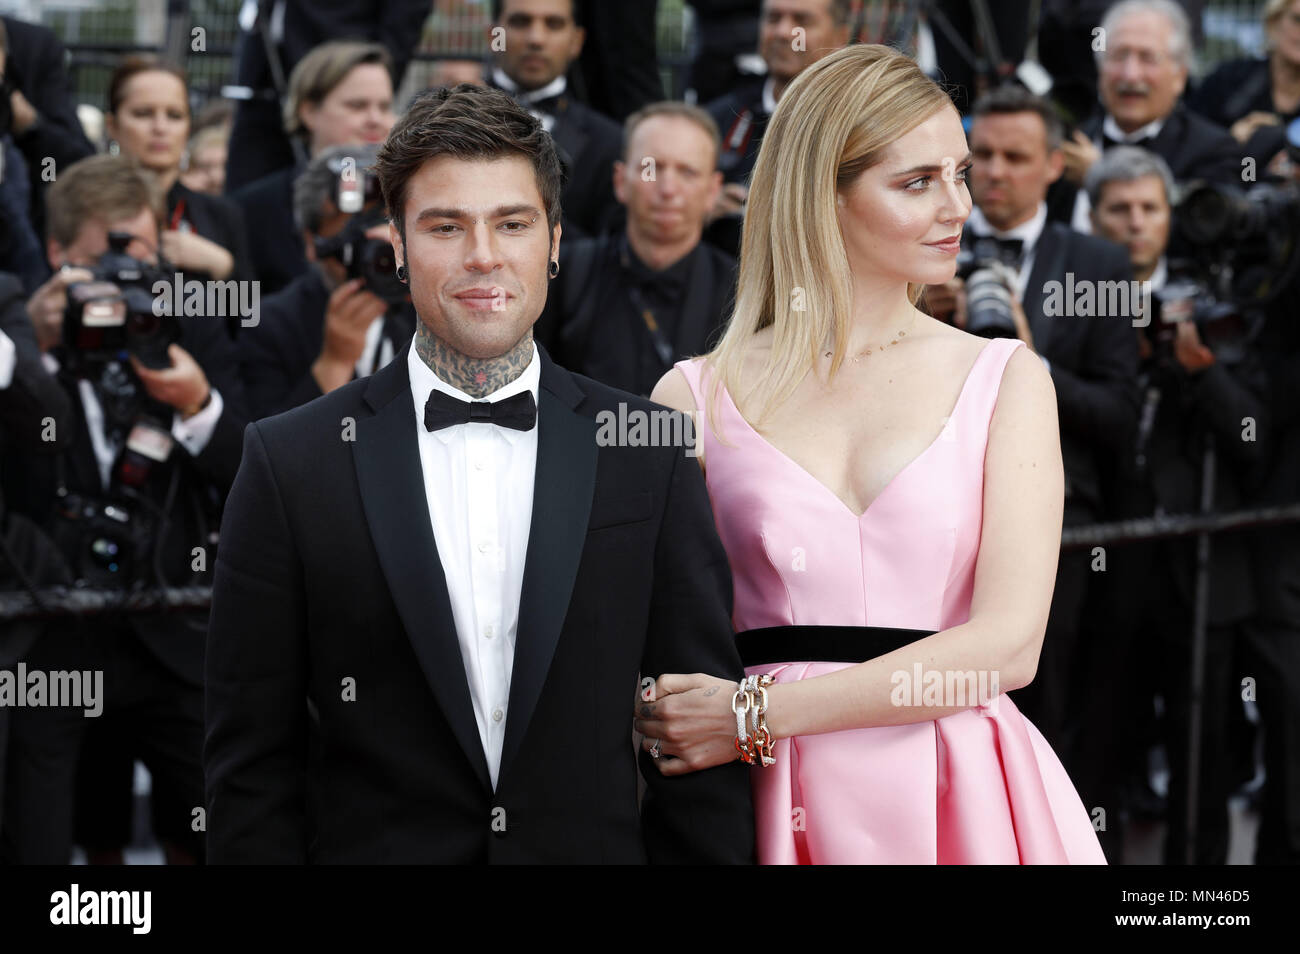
(488, 631)
(498, 715)
(484, 547)
(479, 465)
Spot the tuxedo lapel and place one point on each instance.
(1049, 265)
(391, 480)
(568, 133)
(562, 495)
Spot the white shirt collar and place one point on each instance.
(769, 96)
(1028, 231)
(1160, 275)
(554, 88)
(1111, 129)
(423, 380)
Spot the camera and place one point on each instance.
(1237, 251)
(372, 260)
(112, 316)
(989, 273)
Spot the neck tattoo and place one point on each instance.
(477, 377)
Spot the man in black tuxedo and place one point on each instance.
(793, 35)
(541, 40)
(1015, 139)
(625, 307)
(1143, 72)
(325, 328)
(430, 612)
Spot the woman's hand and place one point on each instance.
(691, 719)
(191, 250)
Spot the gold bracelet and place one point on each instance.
(751, 697)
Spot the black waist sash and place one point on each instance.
(847, 644)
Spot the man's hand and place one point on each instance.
(1188, 349)
(1080, 154)
(46, 306)
(351, 311)
(731, 201)
(191, 250)
(24, 112)
(1249, 124)
(691, 719)
(184, 386)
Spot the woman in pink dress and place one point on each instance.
(889, 491)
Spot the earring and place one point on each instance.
(113, 147)
(554, 268)
(401, 274)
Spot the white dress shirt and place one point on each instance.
(8, 360)
(478, 481)
(1081, 219)
(192, 434)
(526, 97)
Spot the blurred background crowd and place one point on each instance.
(1136, 217)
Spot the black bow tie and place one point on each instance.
(1010, 249)
(1143, 143)
(518, 412)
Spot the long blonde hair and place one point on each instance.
(834, 120)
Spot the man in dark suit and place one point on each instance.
(793, 35)
(1015, 139)
(1143, 72)
(541, 39)
(430, 612)
(625, 307)
(44, 125)
(324, 329)
(158, 448)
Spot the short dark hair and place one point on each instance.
(1017, 99)
(465, 122)
(499, 7)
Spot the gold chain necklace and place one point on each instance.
(902, 333)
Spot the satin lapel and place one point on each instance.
(562, 495)
(1049, 265)
(391, 481)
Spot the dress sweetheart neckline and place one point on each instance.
(965, 386)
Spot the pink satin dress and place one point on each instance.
(981, 786)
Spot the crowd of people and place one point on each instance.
(117, 452)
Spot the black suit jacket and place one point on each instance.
(1094, 363)
(588, 143)
(276, 356)
(33, 394)
(35, 60)
(275, 248)
(1194, 147)
(329, 570)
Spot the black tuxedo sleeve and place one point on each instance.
(1099, 402)
(209, 344)
(33, 393)
(1225, 397)
(702, 817)
(255, 750)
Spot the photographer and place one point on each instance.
(1012, 271)
(1198, 399)
(347, 315)
(134, 491)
